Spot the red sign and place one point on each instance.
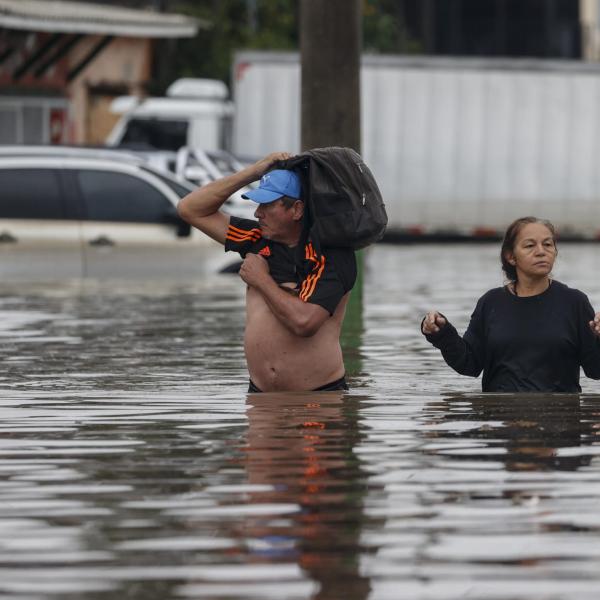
(57, 125)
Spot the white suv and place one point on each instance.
(72, 212)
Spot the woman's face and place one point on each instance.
(534, 252)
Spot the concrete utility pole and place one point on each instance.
(330, 46)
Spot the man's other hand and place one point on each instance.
(254, 269)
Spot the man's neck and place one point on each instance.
(292, 240)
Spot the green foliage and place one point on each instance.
(262, 24)
(385, 30)
(233, 25)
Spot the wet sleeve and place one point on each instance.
(243, 236)
(332, 276)
(589, 344)
(466, 355)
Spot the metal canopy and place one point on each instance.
(81, 18)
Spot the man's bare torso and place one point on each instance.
(279, 360)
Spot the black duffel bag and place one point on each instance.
(343, 204)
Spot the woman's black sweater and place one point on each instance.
(525, 344)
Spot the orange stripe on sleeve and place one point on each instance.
(240, 238)
(254, 230)
(309, 252)
(304, 287)
(235, 234)
(313, 280)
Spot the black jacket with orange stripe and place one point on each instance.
(321, 279)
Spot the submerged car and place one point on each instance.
(75, 212)
(203, 166)
(199, 167)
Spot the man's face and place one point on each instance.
(279, 223)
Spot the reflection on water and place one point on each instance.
(301, 446)
(133, 465)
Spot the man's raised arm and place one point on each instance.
(201, 208)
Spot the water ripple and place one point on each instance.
(134, 465)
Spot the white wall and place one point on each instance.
(455, 145)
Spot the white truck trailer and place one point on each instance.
(458, 146)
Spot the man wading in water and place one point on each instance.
(295, 301)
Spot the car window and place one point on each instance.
(179, 189)
(111, 196)
(30, 194)
(154, 133)
(223, 164)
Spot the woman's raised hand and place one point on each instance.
(434, 321)
(595, 325)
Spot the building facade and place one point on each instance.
(62, 63)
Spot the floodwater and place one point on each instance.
(134, 465)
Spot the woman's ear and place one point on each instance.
(510, 257)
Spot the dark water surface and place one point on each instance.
(133, 464)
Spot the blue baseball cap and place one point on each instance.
(275, 184)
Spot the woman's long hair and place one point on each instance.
(510, 237)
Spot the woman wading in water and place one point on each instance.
(531, 335)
